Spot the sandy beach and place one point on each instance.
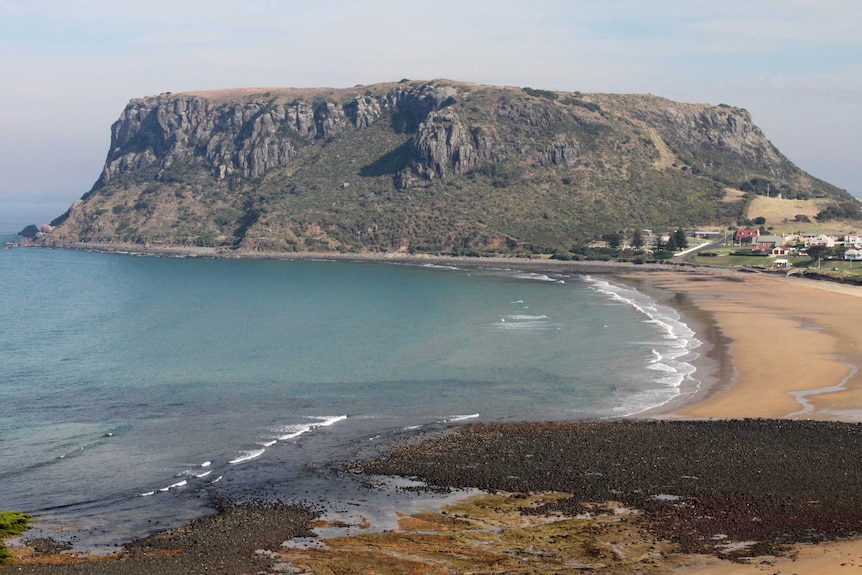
(777, 347)
(795, 345)
(796, 348)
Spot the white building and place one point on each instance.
(819, 240)
(853, 255)
(853, 240)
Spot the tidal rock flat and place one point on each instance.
(700, 484)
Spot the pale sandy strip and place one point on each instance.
(832, 558)
(788, 335)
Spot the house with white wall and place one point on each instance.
(819, 240)
(853, 255)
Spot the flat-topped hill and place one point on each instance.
(423, 166)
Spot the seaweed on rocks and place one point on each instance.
(700, 484)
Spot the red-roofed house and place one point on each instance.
(768, 243)
(745, 235)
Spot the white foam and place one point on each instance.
(247, 456)
(327, 421)
(176, 485)
(206, 463)
(537, 277)
(673, 363)
(511, 324)
(287, 432)
(440, 266)
(292, 431)
(204, 474)
(658, 366)
(460, 417)
(525, 321)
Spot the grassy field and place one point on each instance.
(734, 256)
(725, 258)
(781, 215)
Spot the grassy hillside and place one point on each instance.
(441, 167)
(784, 216)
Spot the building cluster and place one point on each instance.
(790, 244)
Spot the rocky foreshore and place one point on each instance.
(700, 484)
(730, 488)
(538, 263)
(238, 539)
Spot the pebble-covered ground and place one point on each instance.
(703, 486)
(239, 539)
(699, 483)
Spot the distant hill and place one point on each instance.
(436, 166)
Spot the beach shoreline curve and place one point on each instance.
(768, 337)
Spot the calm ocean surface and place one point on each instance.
(133, 388)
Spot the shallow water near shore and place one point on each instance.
(133, 389)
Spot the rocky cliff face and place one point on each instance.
(247, 138)
(433, 166)
(716, 129)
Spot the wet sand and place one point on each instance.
(795, 345)
(796, 348)
(775, 347)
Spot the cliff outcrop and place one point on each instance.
(434, 166)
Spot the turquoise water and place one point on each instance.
(133, 388)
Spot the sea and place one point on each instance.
(135, 391)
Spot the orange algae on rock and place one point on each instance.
(491, 534)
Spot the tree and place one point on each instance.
(671, 244)
(614, 240)
(637, 240)
(844, 210)
(679, 239)
(816, 252)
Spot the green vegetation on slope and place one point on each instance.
(437, 167)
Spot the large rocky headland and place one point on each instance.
(439, 167)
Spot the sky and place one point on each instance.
(68, 67)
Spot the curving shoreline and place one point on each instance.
(811, 348)
(787, 337)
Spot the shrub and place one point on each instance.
(846, 210)
(578, 102)
(12, 523)
(541, 93)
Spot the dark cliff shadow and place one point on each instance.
(388, 164)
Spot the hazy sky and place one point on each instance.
(68, 68)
